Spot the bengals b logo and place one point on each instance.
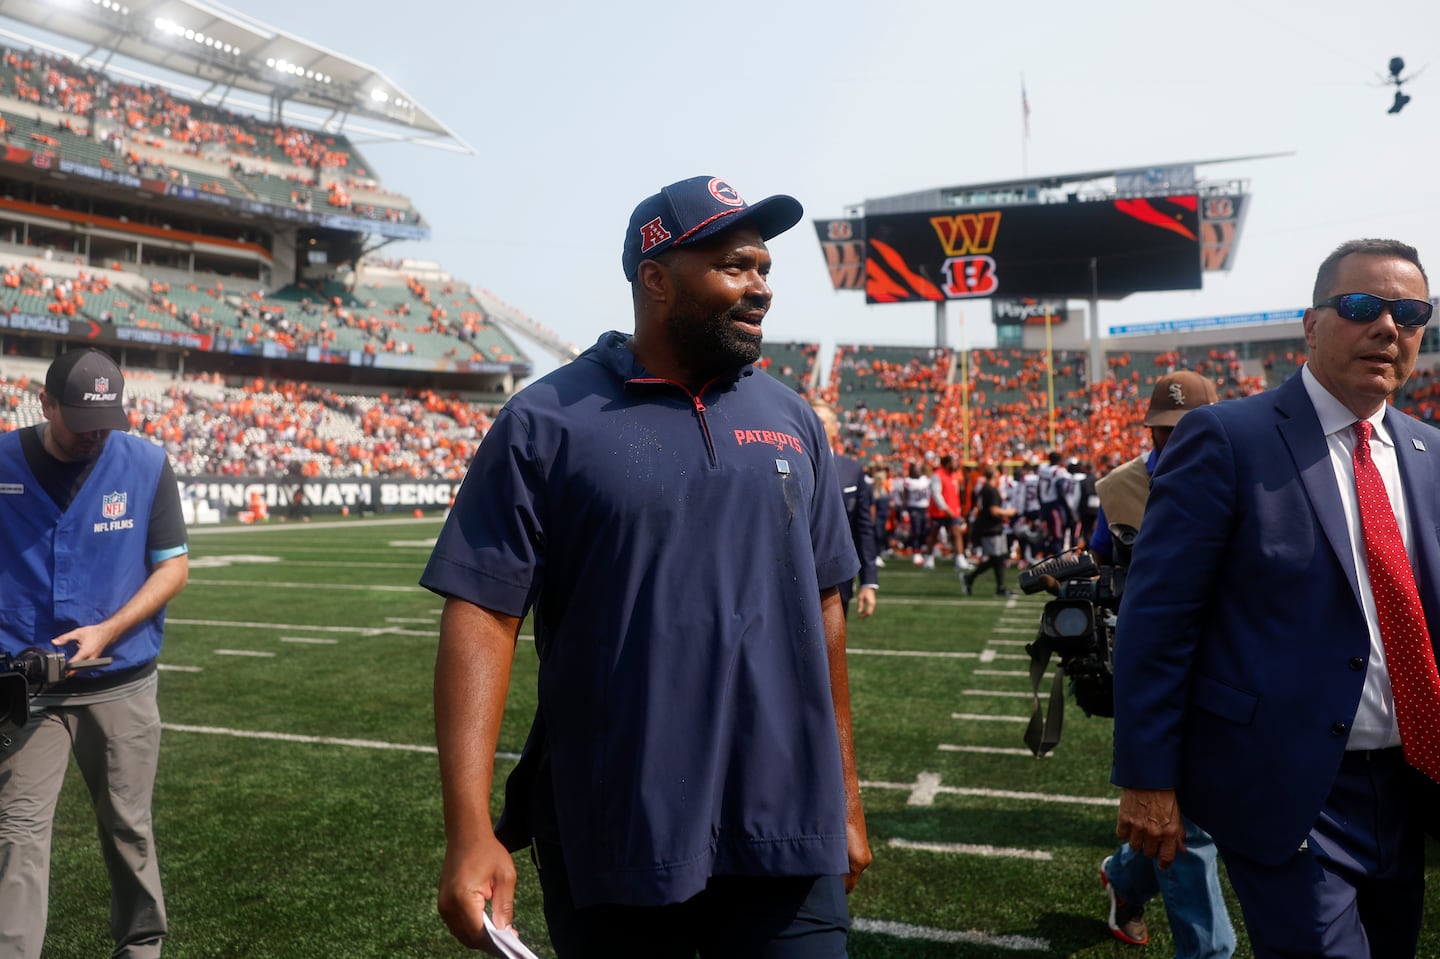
(969, 276)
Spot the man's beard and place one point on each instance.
(710, 343)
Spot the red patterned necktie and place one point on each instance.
(1403, 633)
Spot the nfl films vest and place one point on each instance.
(63, 570)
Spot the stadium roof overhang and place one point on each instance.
(1158, 179)
(228, 53)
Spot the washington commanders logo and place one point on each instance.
(967, 233)
(966, 237)
(725, 193)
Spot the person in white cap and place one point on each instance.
(92, 547)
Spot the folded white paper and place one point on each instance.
(509, 943)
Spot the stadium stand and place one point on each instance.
(264, 339)
(792, 364)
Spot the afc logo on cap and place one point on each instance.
(725, 193)
(652, 235)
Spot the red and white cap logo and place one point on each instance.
(652, 234)
(725, 193)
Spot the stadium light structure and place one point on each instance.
(112, 6)
(182, 32)
(382, 96)
(295, 70)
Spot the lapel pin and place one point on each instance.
(782, 467)
(1419, 444)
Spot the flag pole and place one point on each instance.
(1025, 138)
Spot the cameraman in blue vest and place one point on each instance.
(92, 547)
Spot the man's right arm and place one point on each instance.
(472, 679)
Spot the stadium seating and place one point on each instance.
(51, 104)
(792, 364)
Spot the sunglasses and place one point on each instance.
(1366, 307)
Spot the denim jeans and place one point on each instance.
(1190, 888)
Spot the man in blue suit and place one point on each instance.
(1252, 684)
(859, 501)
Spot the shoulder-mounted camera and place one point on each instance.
(1077, 628)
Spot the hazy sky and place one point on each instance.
(577, 109)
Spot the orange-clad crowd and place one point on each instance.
(153, 118)
(897, 413)
(273, 429)
(277, 429)
(917, 409)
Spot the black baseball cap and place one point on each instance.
(90, 389)
(693, 209)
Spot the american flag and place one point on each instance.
(1025, 107)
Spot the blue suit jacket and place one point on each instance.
(858, 500)
(1242, 647)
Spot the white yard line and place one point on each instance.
(928, 785)
(302, 627)
(970, 849)
(982, 718)
(310, 740)
(969, 937)
(990, 751)
(913, 652)
(347, 587)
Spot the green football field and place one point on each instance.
(298, 803)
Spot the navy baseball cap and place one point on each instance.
(90, 389)
(700, 207)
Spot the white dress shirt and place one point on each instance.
(1374, 726)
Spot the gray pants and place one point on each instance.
(116, 745)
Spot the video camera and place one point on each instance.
(29, 673)
(1078, 627)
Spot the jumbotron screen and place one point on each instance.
(1138, 244)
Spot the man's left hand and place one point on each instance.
(865, 601)
(858, 843)
(91, 642)
(1149, 820)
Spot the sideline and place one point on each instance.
(329, 525)
(310, 740)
